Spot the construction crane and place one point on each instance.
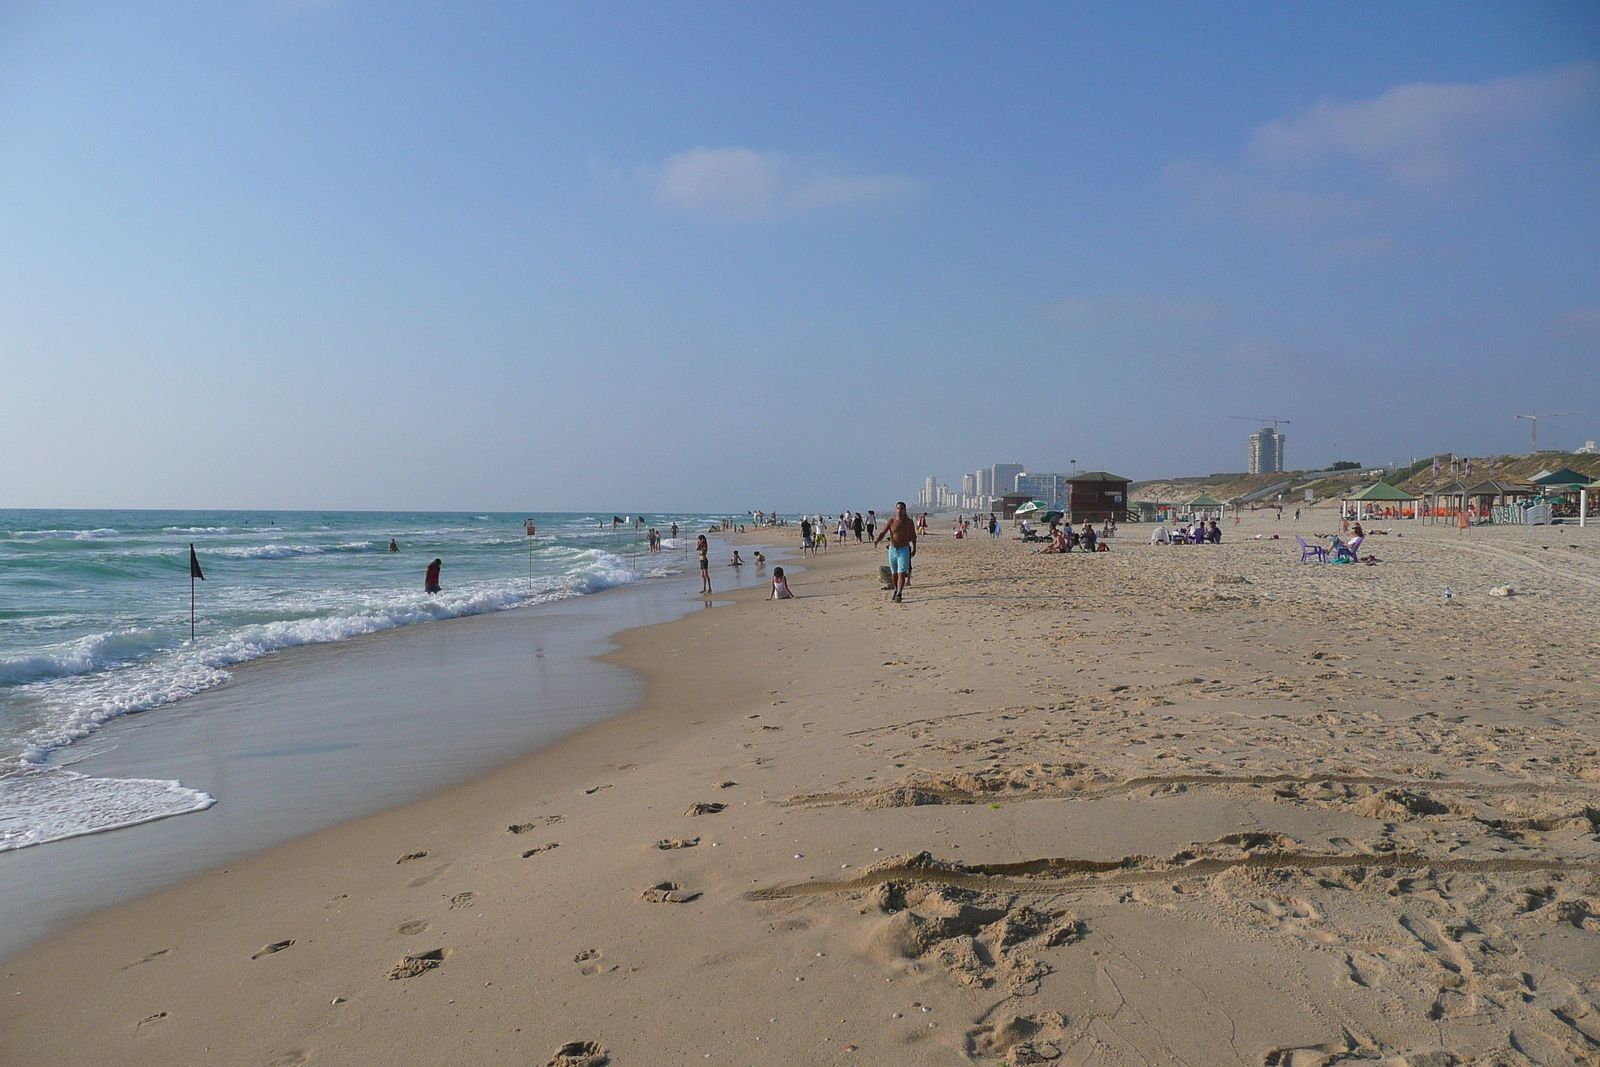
(1534, 420)
(1264, 418)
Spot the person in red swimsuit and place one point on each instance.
(431, 582)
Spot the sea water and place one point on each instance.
(95, 618)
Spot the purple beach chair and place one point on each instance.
(1316, 552)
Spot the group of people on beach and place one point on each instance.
(1198, 532)
(1064, 539)
(814, 530)
(653, 538)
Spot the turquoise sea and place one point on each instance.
(95, 617)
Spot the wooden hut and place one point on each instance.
(1011, 502)
(1097, 496)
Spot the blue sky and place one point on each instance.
(528, 256)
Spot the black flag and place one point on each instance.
(194, 565)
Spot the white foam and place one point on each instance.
(86, 683)
(79, 656)
(266, 551)
(66, 535)
(39, 804)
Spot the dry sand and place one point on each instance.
(1197, 805)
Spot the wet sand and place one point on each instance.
(316, 735)
(1199, 804)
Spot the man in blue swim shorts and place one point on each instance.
(902, 535)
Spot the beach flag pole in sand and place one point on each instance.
(528, 525)
(194, 572)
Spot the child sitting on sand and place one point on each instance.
(780, 586)
(737, 562)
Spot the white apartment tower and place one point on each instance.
(1266, 451)
(1003, 478)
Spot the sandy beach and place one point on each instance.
(1200, 805)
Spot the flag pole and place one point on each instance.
(194, 572)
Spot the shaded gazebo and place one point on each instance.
(1565, 478)
(1380, 494)
(1204, 503)
(1449, 499)
(1500, 492)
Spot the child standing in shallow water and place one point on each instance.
(780, 586)
(704, 550)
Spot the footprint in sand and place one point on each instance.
(726, 785)
(596, 789)
(579, 1054)
(409, 856)
(590, 958)
(276, 946)
(411, 966)
(541, 848)
(668, 893)
(424, 879)
(412, 926)
(677, 842)
(463, 900)
(701, 807)
(525, 827)
(150, 1019)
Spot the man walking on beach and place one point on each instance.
(902, 535)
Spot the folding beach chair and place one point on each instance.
(1316, 552)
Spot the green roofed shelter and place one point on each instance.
(1564, 477)
(1584, 493)
(1097, 496)
(1206, 502)
(1379, 493)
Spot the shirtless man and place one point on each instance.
(902, 535)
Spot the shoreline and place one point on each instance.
(1035, 813)
(314, 735)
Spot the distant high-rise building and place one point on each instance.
(1003, 478)
(984, 483)
(1045, 488)
(968, 485)
(1266, 451)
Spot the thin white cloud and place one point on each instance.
(1424, 133)
(744, 184)
(1341, 160)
